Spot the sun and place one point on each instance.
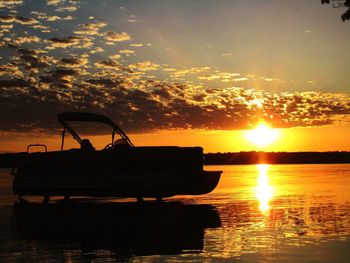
(262, 135)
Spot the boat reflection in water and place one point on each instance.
(123, 229)
(264, 191)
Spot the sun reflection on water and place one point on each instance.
(264, 191)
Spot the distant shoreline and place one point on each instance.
(276, 158)
(232, 158)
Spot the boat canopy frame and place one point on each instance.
(66, 117)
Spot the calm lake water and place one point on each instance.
(258, 213)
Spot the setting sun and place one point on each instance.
(262, 135)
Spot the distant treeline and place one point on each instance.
(9, 159)
(277, 157)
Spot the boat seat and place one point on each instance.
(86, 146)
(120, 144)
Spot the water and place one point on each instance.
(258, 213)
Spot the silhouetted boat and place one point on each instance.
(119, 170)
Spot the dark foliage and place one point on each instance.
(340, 3)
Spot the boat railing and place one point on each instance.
(36, 145)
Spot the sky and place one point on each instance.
(188, 73)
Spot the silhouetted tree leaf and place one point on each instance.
(340, 3)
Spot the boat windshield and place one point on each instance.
(72, 118)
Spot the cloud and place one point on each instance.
(75, 68)
(136, 45)
(18, 19)
(144, 66)
(133, 20)
(240, 79)
(27, 51)
(90, 28)
(193, 70)
(5, 28)
(26, 21)
(10, 69)
(127, 52)
(223, 77)
(70, 8)
(7, 19)
(151, 105)
(60, 78)
(42, 28)
(115, 56)
(13, 82)
(10, 3)
(97, 50)
(58, 18)
(65, 42)
(113, 37)
(54, 2)
(34, 62)
(109, 64)
(74, 62)
(77, 42)
(27, 39)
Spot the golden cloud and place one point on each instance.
(10, 3)
(54, 2)
(10, 69)
(90, 28)
(66, 8)
(144, 66)
(27, 39)
(18, 19)
(112, 37)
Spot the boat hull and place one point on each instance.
(135, 172)
(119, 185)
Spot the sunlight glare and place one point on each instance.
(262, 135)
(264, 191)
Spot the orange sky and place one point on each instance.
(324, 138)
(329, 138)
